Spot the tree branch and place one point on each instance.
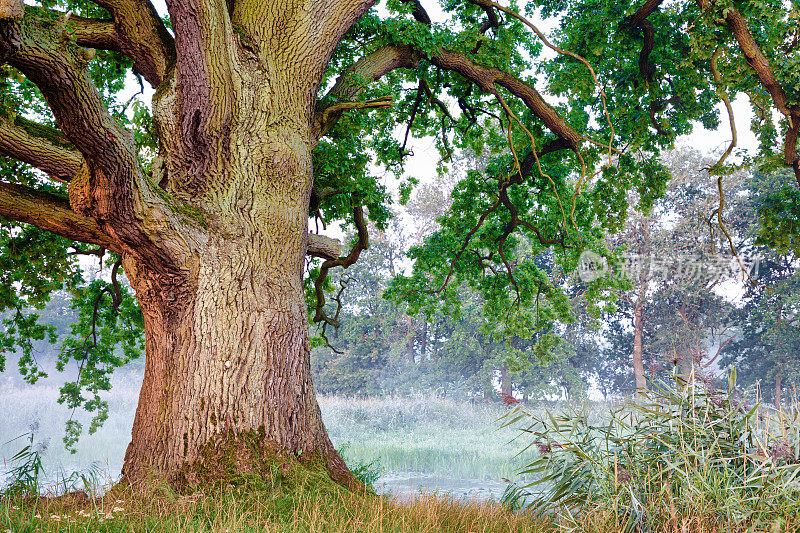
(758, 62)
(325, 120)
(377, 64)
(324, 247)
(345, 262)
(141, 35)
(419, 13)
(643, 12)
(356, 78)
(93, 33)
(639, 19)
(51, 213)
(18, 139)
(486, 78)
(105, 188)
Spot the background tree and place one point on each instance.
(767, 348)
(675, 258)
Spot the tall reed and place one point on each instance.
(682, 449)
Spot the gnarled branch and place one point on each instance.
(111, 171)
(19, 139)
(330, 115)
(760, 64)
(141, 35)
(51, 213)
(345, 262)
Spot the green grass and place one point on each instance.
(681, 461)
(428, 435)
(309, 505)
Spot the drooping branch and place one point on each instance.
(19, 139)
(356, 78)
(465, 245)
(737, 24)
(141, 35)
(385, 59)
(486, 79)
(361, 244)
(51, 213)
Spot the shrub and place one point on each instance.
(366, 473)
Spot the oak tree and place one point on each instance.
(268, 113)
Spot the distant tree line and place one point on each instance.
(685, 305)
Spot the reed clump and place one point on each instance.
(683, 456)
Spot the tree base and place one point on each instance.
(250, 461)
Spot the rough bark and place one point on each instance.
(52, 213)
(38, 147)
(233, 359)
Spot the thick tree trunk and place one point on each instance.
(232, 361)
(638, 327)
(214, 231)
(778, 392)
(228, 356)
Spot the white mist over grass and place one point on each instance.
(424, 434)
(25, 408)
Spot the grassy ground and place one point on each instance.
(429, 435)
(661, 473)
(311, 509)
(302, 500)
